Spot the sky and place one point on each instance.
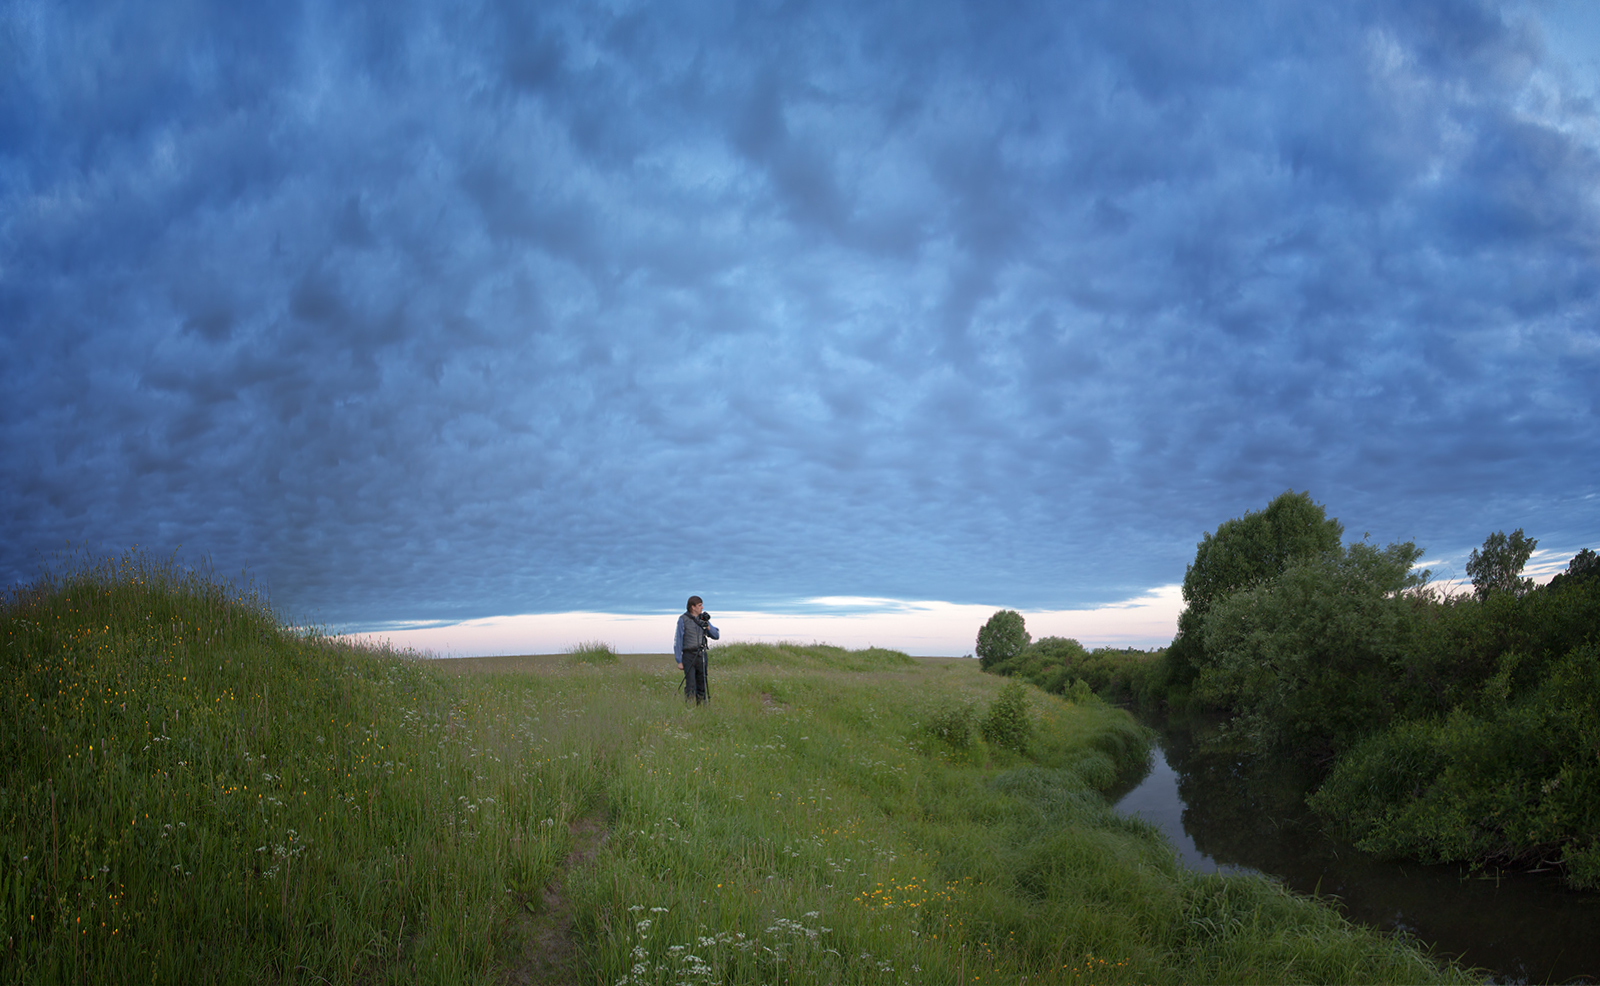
(525, 321)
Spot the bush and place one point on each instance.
(1121, 675)
(1514, 780)
(591, 652)
(955, 723)
(1079, 692)
(1009, 722)
(1047, 663)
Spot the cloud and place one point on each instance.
(431, 312)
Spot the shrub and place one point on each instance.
(1049, 663)
(955, 723)
(1009, 723)
(1513, 780)
(592, 652)
(1079, 692)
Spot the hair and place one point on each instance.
(690, 604)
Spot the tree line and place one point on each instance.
(1434, 725)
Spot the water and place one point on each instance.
(1221, 816)
(1156, 801)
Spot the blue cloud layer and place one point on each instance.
(429, 311)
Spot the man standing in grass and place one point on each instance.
(689, 647)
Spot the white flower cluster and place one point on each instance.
(684, 967)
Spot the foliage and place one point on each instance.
(1244, 552)
(954, 723)
(1306, 660)
(1585, 565)
(1497, 567)
(1431, 726)
(1002, 638)
(1008, 723)
(592, 652)
(1516, 779)
(1117, 674)
(1047, 663)
(1062, 666)
(1123, 674)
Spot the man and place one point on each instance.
(689, 646)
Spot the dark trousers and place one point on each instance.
(694, 676)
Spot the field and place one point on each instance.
(193, 791)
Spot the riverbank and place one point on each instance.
(192, 791)
(1518, 926)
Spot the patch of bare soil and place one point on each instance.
(548, 955)
(769, 704)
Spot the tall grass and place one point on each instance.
(592, 652)
(191, 791)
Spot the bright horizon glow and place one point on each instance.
(925, 628)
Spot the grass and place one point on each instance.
(592, 652)
(189, 790)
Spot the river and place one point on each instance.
(1521, 927)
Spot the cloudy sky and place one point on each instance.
(450, 311)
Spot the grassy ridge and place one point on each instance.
(190, 791)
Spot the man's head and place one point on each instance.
(696, 604)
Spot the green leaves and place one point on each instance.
(1009, 723)
(1497, 567)
(1248, 550)
(1002, 638)
(1244, 553)
(1512, 781)
(1306, 659)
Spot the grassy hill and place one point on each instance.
(190, 790)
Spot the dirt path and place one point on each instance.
(549, 956)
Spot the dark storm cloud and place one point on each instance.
(438, 311)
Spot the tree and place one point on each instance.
(1584, 566)
(1309, 660)
(1245, 552)
(1002, 638)
(1497, 567)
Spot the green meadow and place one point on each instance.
(194, 791)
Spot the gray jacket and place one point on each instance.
(690, 637)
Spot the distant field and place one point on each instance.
(546, 663)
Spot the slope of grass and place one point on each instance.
(190, 791)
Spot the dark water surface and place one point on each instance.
(1521, 927)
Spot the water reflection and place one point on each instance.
(1224, 815)
(1156, 801)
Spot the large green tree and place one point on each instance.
(1497, 566)
(1002, 638)
(1242, 553)
(1309, 660)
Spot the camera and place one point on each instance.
(704, 618)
